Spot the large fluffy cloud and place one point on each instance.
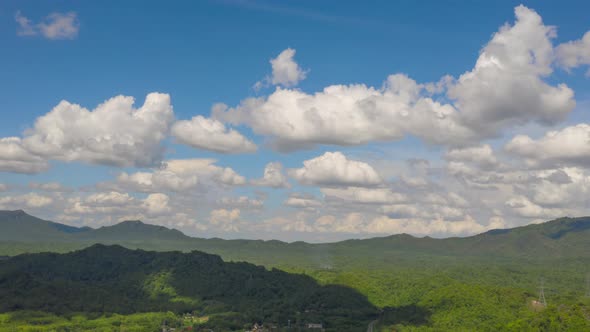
(346, 115)
(211, 134)
(334, 169)
(515, 62)
(115, 133)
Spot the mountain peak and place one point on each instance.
(13, 213)
(17, 225)
(131, 222)
(135, 230)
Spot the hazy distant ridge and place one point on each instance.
(564, 237)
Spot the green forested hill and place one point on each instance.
(112, 279)
(485, 282)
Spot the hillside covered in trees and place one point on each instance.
(114, 280)
(487, 282)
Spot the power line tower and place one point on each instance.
(542, 293)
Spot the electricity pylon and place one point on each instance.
(542, 294)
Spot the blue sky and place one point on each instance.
(209, 52)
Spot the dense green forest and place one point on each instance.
(486, 282)
(112, 279)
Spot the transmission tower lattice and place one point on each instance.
(542, 294)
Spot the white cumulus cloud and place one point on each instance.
(575, 53)
(568, 146)
(115, 133)
(16, 159)
(285, 71)
(515, 63)
(333, 169)
(179, 175)
(212, 135)
(156, 204)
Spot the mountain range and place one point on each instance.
(560, 238)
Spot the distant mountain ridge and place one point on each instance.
(19, 226)
(134, 230)
(564, 237)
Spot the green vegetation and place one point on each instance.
(41, 322)
(472, 295)
(112, 279)
(486, 282)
